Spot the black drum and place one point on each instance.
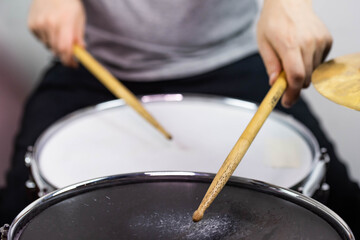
(159, 205)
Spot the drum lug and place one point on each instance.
(4, 231)
(42, 192)
(30, 185)
(314, 180)
(325, 188)
(324, 155)
(322, 195)
(28, 157)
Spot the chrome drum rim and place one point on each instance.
(59, 195)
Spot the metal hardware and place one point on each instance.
(324, 155)
(28, 157)
(30, 184)
(4, 231)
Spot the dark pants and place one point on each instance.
(64, 90)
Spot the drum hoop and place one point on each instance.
(232, 102)
(67, 192)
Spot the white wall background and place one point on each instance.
(341, 17)
(342, 124)
(28, 53)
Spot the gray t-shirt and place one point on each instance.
(149, 40)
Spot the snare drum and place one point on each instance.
(111, 139)
(159, 205)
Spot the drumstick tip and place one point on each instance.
(197, 216)
(169, 137)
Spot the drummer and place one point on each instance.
(161, 46)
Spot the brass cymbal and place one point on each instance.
(339, 80)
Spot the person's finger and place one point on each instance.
(65, 43)
(271, 60)
(308, 53)
(39, 26)
(44, 38)
(318, 56)
(72, 60)
(34, 27)
(323, 46)
(294, 68)
(328, 44)
(79, 33)
(54, 38)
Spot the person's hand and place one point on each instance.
(59, 24)
(291, 38)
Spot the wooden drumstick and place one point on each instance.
(242, 145)
(116, 87)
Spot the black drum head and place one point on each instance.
(163, 210)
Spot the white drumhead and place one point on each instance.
(115, 140)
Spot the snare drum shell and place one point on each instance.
(159, 205)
